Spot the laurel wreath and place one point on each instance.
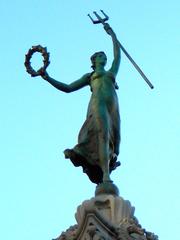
(28, 56)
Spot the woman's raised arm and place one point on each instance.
(116, 49)
(67, 88)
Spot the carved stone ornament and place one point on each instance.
(45, 54)
(106, 217)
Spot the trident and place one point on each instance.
(103, 20)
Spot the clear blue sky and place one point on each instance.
(40, 190)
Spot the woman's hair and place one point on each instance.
(93, 58)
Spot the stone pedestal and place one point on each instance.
(106, 217)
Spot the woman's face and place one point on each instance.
(101, 58)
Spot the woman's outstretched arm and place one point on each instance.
(67, 88)
(116, 50)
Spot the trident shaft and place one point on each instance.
(103, 20)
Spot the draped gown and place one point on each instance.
(86, 152)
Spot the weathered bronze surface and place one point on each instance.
(99, 137)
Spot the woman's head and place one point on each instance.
(98, 57)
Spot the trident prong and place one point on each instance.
(100, 19)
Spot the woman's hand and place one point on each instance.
(44, 74)
(108, 29)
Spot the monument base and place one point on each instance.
(106, 217)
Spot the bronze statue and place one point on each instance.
(99, 138)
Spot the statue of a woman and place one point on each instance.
(99, 137)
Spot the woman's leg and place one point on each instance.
(102, 124)
(116, 133)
